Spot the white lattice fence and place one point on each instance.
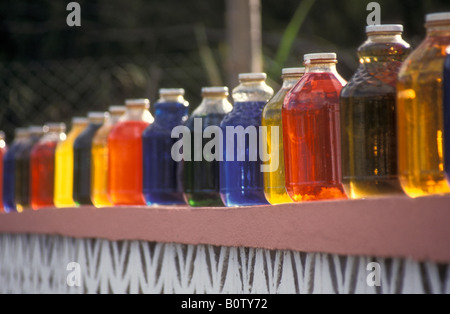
(38, 264)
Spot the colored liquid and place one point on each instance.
(369, 124)
(275, 181)
(312, 139)
(99, 168)
(23, 174)
(82, 152)
(162, 175)
(3, 151)
(64, 169)
(242, 182)
(421, 121)
(447, 115)
(125, 168)
(43, 175)
(201, 178)
(9, 178)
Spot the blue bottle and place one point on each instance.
(447, 113)
(241, 178)
(162, 175)
(9, 169)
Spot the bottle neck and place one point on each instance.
(290, 81)
(321, 67)
(172, 99)
(438, 29)
(114, 118)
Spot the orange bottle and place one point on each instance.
(125, 154)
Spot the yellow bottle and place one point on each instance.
(99, 167)
(274, 181)
(420, 114)
(64, 166)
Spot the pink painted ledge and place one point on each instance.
(395, 227)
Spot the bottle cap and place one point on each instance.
(172, 92)
(97, 116)
(438, 17)
(386, 28)
(293, 71)
(2, 135)
(320, 56)
(116, 110)
(144, 102)
(36, 130)
(244, 77)
(217, 90)
(21, 132)
(56, 127)
(79, 120)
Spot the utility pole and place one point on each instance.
(243, 18)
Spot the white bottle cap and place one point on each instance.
(385, 28)
(21, 132)
(172, 92)
(438, 17)
(293, 71)
(56, 127)
(79, 120)
(252, 77)
(117, 109)
(320, 56)
(97, 116)
(34, 129)
(217, 90)
(143, 102)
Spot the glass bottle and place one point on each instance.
(274, 180)
(64, 165)
(162, 180)
(369, 116)
(82, 153)
(125, 154)
(447, 113)
(99, 170)
(22, 168)
(9, 170)
(3, 150)
(311, 129)
(201, 178)
(242, 180)
(420, 113)
(43, 166)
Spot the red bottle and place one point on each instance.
(2, 153)
(311, 132)
(43, 166)
(125, 155)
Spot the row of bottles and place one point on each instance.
(381, 134)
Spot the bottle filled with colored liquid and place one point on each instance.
(3, 150)
(43, 166)
(274, 179)
(9, 170)
(447, 113)
(82, 157)
(63, 197)
(311, 132)
(22, 167)
(369, 116)
(420, 114)
(125, 154)
(162, 174)
(200, 171)
(100, 162)
(241, 175)
(9, 159)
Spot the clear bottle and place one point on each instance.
(3, 150)
(9, 170)
(162, 175)
(63, 195)
(274, 181)
(369, 116)
(447, 113)
(201, 178)
(242, 180)
(82, 153)
(100, 163)
(43, 166)
(311, 132)
(125, 154)
(420, 113)
(23, 167)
